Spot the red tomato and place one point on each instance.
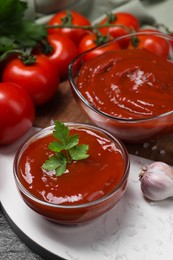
(90, 41)
(17, 112)
(64, 50)
(128, 22)
(64, 17)
(40, 79)
(153, 43)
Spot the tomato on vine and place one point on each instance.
(17, 112)
(60, 50)
(69, 18)
(39, 78)
(92, 40)
(124, 23)
(152, 42)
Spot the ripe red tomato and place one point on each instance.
(66, 17)
(127, 22)
(64, 50)
(90, 41)
(17, 112)
(151, 42)
(40, 79)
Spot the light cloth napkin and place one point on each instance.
(133, 6)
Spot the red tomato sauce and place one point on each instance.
(84, 181)
(130, 83)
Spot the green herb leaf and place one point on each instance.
(7, 43)
(62, 163)
(13, 9)
(15, 31)
(58, 164)
(56, 146)
(66, 148)
(61, 132)
(79, 152)
(51, 164)
(73, 140)
(28, 33)
(62, 168)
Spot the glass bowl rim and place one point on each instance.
(48, 130)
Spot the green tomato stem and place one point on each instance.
(27, 59)
(6, 54)
(160, 25)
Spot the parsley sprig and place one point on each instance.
(66, 148)
(17, 32)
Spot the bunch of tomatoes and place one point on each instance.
(26, 85)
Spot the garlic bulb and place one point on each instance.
(157, 181)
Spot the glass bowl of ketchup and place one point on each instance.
(128, 91)
(87, 189)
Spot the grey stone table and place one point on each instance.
(11, 246)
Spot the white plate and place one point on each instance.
(134, 229)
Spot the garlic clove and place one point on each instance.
(157, 181)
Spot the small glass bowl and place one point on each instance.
(128, 130)
(72, 214)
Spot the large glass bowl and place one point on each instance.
(129, 130)
(72, 214)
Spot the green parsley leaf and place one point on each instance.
(61, 169)
(73, 140)
(14, 10)
(66, 148)
(16, 32)
(79, 152)
(57, 163)
(51, 164)
(7, 43)
(56, 146)
(61, 132)
(28, 33)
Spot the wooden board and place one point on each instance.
(62, 107)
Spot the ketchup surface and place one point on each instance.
(129, 83)
(84, 180)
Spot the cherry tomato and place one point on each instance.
(64, 50)
(17, 112)
(40, 79)
(126, 22)
(91, 41)
(65, 17)
(153, 43)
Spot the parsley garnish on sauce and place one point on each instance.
(66, 148)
